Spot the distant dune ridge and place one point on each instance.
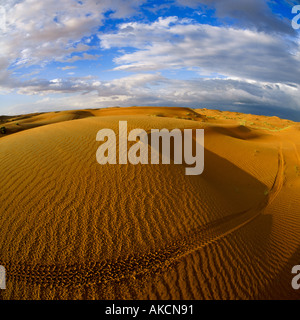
(74, 229)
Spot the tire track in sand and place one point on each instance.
(141, 266)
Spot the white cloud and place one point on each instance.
(172, 44)
(255, 14)
(40, 31)
(67, 68)
(84, 56)
(154, 89)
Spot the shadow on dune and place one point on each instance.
(218, 171)
(81, 114)
(237, 132)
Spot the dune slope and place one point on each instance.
(74, 229)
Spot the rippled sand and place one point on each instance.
(73, 229)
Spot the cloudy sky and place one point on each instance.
(238, 55)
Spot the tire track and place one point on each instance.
(279, 178)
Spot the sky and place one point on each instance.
(235, 55)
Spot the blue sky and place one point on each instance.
(239, 55)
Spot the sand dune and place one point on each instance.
(74, 229)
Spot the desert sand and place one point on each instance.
(73, 229)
